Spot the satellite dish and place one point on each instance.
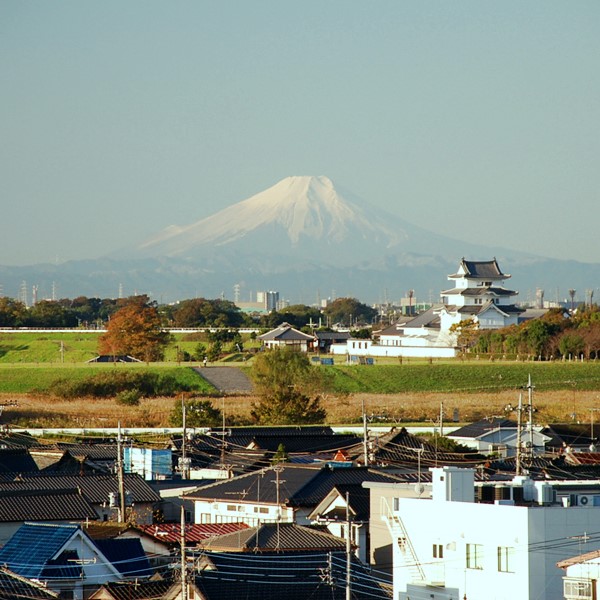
(419, 488)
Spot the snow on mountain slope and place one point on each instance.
(301, 207)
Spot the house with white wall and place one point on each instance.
(582, 573)
(478, 294)
(450, 547)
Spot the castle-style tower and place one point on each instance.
(479, 294)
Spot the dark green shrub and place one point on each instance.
(129, 397)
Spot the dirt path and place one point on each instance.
(228, 380)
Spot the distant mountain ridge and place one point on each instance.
(304, 237)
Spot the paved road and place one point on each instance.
(228, 380)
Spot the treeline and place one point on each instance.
(197, 312)
(555, 335)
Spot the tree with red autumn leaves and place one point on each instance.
(135, 330)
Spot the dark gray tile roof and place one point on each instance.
(13, 586)
(94, 488)
(139, 590)
(481, 269)
(399, 448)
(95, 452)
(479, 291)
(287, 333)
(358, 498)
(312, 575)
(16, 460)
(299, 485)
(55, 505)
(319, 486)
(333, 335)
(479, 428)
(258, 485)
(285, 537)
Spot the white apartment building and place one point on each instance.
(449, 547)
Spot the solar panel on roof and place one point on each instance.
(32, 546)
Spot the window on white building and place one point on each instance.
(506, 559)
(577, 589)
(474, 556)
(438, 551)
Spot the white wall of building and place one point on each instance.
(240, 512)
(529, 539)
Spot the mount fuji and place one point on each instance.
(299, 221)
(304, 237)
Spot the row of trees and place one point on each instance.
(197, 312)
(554, 335)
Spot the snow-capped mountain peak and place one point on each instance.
(299, 207)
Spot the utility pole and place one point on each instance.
(519, 411)
(530, 408)
(441, 419)
(223, 436)
(184, 586)
(184, 466)
(348, 550)
(365, 435)
(278, 482)
(120, 476)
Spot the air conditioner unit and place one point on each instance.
(585, 500)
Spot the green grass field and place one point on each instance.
(31, 361)
(463, 376)
(23, 379)
(30, 347)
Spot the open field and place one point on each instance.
(393, 392)
(37, 347)
(402, 408)
(36, 380)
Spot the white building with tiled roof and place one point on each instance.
(286, 335)
(479, 294)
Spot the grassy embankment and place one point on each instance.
(30, 347)
(411, 392)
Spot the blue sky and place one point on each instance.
(479, 120)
